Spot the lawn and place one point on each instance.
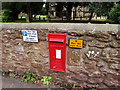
(37, 17)
(45, 17)
(95, 19)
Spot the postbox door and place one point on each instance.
(57, 59)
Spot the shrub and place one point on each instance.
(7, 15)
(114, 14)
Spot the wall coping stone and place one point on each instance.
(63, 26)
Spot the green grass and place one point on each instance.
(45, 16)
(100, 19)
(41, 16)
(37, 17)
(22, 17)
(96, 19)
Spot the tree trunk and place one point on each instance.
(27, 18)
(34, 17)
(21, 17)
(47, 10)
(15, 14)
(39, 18)
(96, 16)
(29, 12)
(59, 9)
(74, 16)
(69, 10)
(90, 16)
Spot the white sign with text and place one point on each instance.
(30, 35)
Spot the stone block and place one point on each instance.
(10, 31)
(101, 64)
(95, 80)
(19, 48)
(103, 37)
(80, 77)
(114, 44)
(91, 67)
(98, 44)
(112, 80)
(100, 36)
(36, 65)
(87, 38)
(74, 57)
(118, 34)
(115, 66)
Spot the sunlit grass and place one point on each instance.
(37, 17)
(95, 19)
(100, 19)
(23, 20)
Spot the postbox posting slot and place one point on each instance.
(56, 40)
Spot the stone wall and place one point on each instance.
(97, 64)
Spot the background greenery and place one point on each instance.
(35, 10)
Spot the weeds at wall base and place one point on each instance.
(47, 80)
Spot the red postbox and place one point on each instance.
(57, 52)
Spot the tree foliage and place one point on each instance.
(99, 8)
(6, 15)
(28, 7)
(114, 14)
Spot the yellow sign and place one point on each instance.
(76, 43)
